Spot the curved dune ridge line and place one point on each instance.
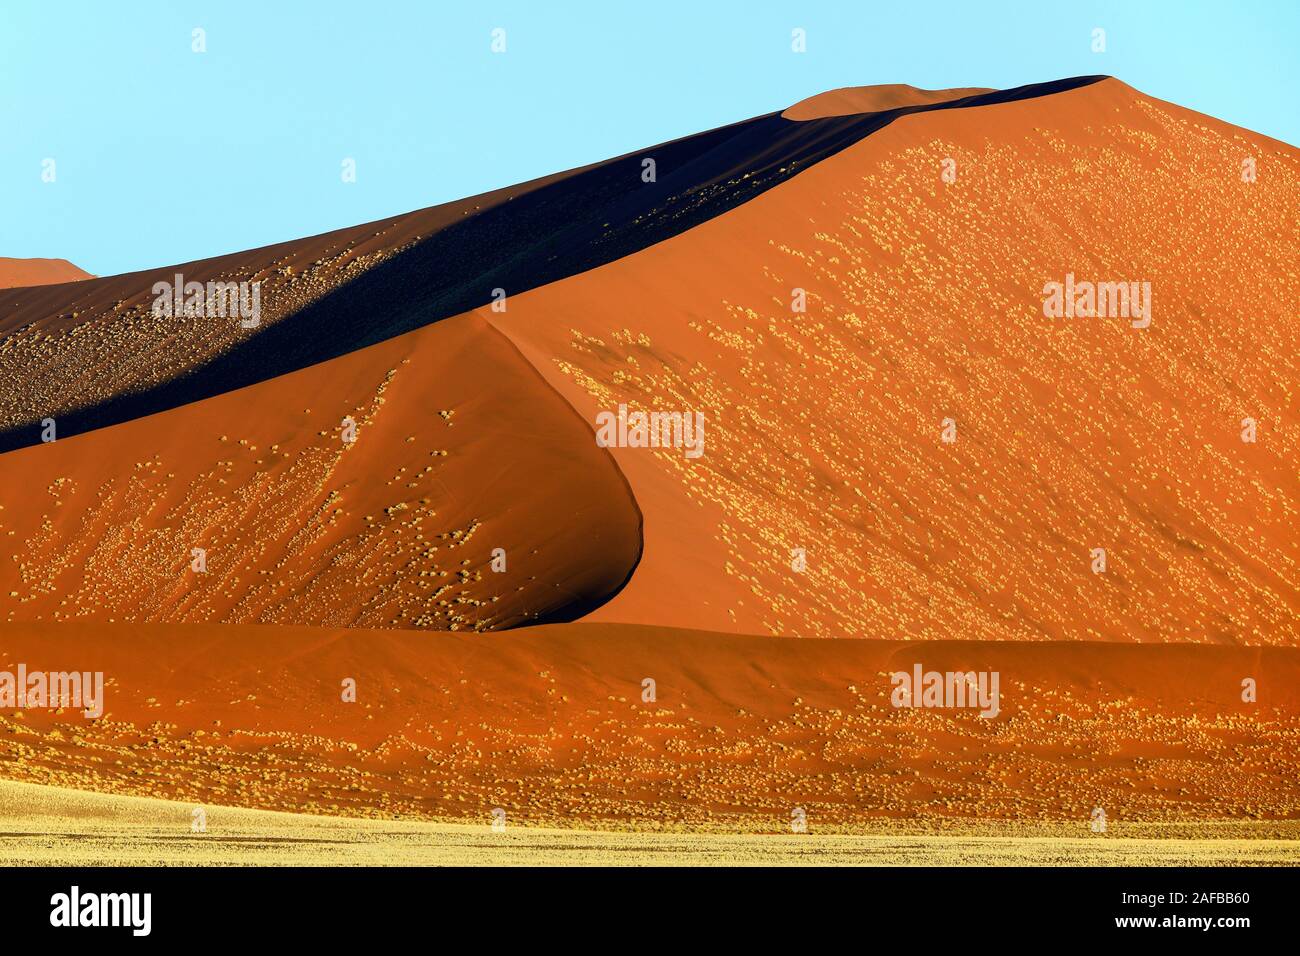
(460, 449)
(925, 303)
(37, 272)
(868, 99)
(400, 274)
(552, 725)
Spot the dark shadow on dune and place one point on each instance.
(579, 606)
(562, 226)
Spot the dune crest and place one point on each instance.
(402, 273)
(433, 481)
(849, 100)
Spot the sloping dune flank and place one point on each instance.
(433, 481)
(332, 294)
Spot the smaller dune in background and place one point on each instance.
(15, 273)
(850, 100)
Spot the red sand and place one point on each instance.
(823, 433)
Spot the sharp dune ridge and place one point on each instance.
(299, 525)
(401, 274)
(924, 305)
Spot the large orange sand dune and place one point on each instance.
(475, 432)
(924, 303)
(823, 427)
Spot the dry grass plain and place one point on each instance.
(48, 826)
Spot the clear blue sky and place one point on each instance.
(164, 155)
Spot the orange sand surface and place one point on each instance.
(550, 725)
(924, 303)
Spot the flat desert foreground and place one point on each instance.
(48, 826)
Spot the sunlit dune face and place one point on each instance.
(553, 726)
(825, 429)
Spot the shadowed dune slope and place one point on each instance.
(93, 355)
(924, 302)
(38, 272)
(551, 725)
(460, 449)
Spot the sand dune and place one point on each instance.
(400, 274)
(924, 303)
(550, 724)
(205, 531)
(38, 272)
(823, 427)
